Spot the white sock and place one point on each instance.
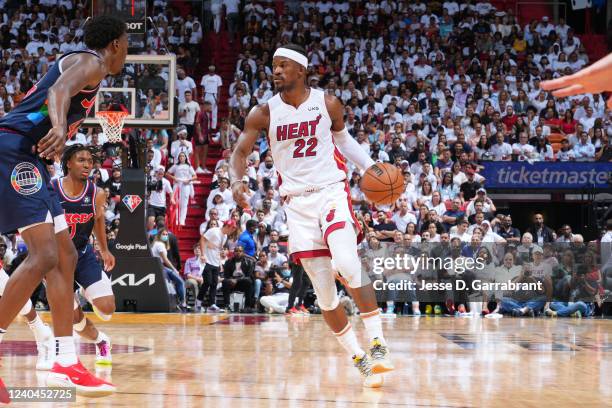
(2, 331)
(348, 340)
(65, 351)
(373, 325)
(40, 330)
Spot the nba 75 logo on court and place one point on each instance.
(132, 202)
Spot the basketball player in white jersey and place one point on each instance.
(308, 140)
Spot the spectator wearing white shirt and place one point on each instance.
(403, 217)
(211, 83)
(501, 151)
(412, 117)
(274, 256)
(565, 153)
(183, 176)
(181, 145)
(184, 83)
(225, 192)
(584, 150)
(267, 171)
(157, 199)
(240, 100)
(544, 151)
(523, 149)
(188, 110)
(421, 70)
(588, 121)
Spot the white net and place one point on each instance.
(112, 124)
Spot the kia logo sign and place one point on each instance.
(129, 279)
(135, 27)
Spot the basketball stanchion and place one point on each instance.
(139, 281)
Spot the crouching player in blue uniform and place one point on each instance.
(84, 205)
(36, 130)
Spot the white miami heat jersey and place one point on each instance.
(302, 145)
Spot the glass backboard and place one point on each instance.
(145, 89)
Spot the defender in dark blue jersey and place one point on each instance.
(36, 130)
(84, 207)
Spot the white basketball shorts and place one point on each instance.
(311, 217)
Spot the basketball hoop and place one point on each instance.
(112, 124)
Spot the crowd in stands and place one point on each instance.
(434, 91)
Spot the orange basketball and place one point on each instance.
(382, 183)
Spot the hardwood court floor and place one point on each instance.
(263, 361)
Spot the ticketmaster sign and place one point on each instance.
(544, 175)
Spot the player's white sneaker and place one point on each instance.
(103, 351)
(381, 363)
(364, 365)
(46, 353)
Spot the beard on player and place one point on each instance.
(288, 75)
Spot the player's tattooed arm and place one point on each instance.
(343, 139)
(100, 231)
(257, 120)
(79, 72)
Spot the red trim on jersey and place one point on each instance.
(313, 253)
(68, 198)
(9, 130)
(360, 234)
(335, 226)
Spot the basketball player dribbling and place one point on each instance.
(84, 207)
(308, 140)
(34, 131)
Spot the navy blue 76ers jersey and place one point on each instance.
(80, 212)
(31, 116)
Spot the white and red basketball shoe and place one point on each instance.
(77, 376)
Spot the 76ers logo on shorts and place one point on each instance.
(132, 202)
(26, 179)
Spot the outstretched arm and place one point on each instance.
(257, 120)
(345, 142)
(592, 79)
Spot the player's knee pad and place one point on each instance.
(27, 308)
(80, 326)
(343, 246)
(321, 275)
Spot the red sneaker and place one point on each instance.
(77, 376)
(4, 395)
(292, 311)
(303, 309)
